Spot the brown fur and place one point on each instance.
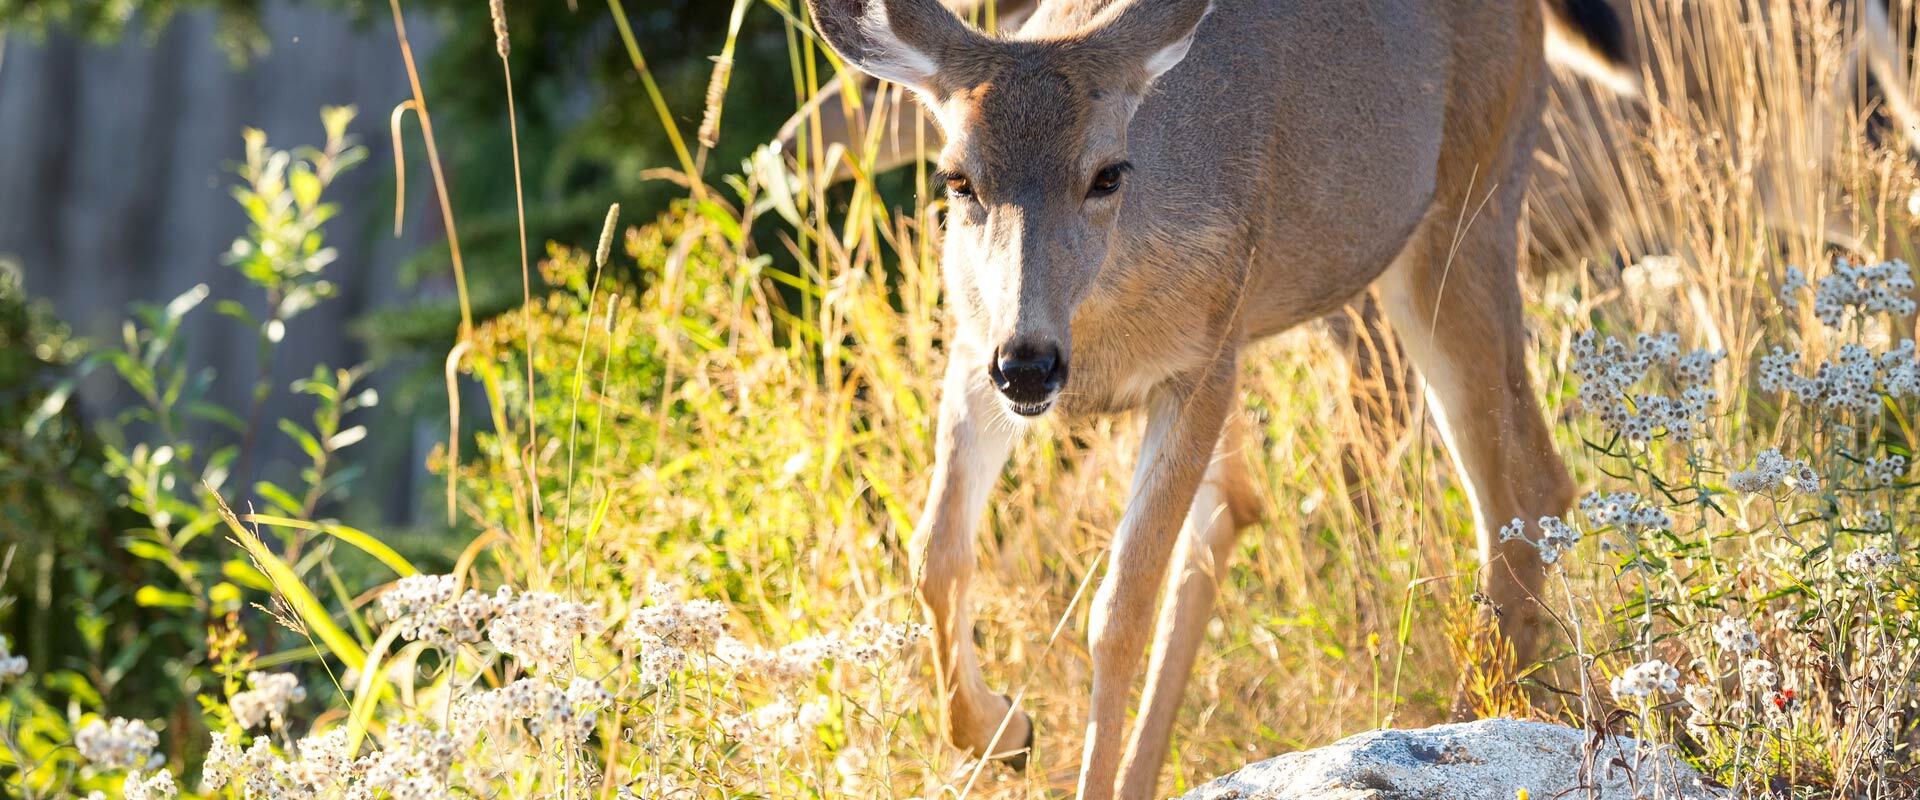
(1299, 153)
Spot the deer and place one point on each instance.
(1136, 190)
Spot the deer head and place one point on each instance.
(1035, 163)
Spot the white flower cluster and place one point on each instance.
(1870, 562)
(1556, 537)
(1609, 369)
(1644, 679)
(324, 760)
(1701, 699)
(412, 766)
(1900, 370)
(778, 725)
(1868, 288)
(1624, 511)
(325, 764)
(1772, 472)
(873, 641)
(157, 786)
(671, 633)
(1791, 285)
(570, 713)
(1885, 471)
(11, 666)
(785, 666)
(1759, 675)
(119, 744)
(1736, 635)
(1845, 383)
(425, 608)
(540, 628)
(267, 699)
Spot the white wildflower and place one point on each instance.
(1879, 288)
(11, 666)
(1794, 282)
(1759, 674)
(540, 628)
(1870, 562)
(1696, 367)
(119, 744)
(872, 642)
(263, 773)
(1556, 537)
(779, 725)
(1736, 635)
(1771, 472)
(325, 761)
(1700, 699)
(268, 698)
(1900, 370)
(158, 786)
(412, 766)
(1646, 678)
(1777, 373)
(670, 633)
(1609, 369)
(786, 666)
(545, 709)
(1625, 511)
(1885, 471)
(425, 608)
(223, 761)
(1846, 383)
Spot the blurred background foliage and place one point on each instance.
(114, 524)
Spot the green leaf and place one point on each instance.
(233, 308)
(296, 595)
(149, 550)
(243, 573)
(185, 302)
(156, 597)
(301, 437)
(361, 540)
(347, 438)
(281, 498)
(722, 219)
(225, 596)
(48, 408)
(306, 187)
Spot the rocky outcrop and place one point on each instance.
(1493, 759)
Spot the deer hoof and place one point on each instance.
(1017, 759)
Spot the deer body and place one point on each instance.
(1209, 249)
(1135, 195)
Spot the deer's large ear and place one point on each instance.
(903, 41)
(1144, 38)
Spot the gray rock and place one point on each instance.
(1492, 759)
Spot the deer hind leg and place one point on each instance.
(1458, 313)
(1222, 506)
(973, 444)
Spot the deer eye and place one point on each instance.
(958, 186)
(1107, 180)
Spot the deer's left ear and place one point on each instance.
(904, 41)
(1145, 38)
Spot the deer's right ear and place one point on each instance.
(903, 41)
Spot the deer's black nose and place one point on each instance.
(1028, 374)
